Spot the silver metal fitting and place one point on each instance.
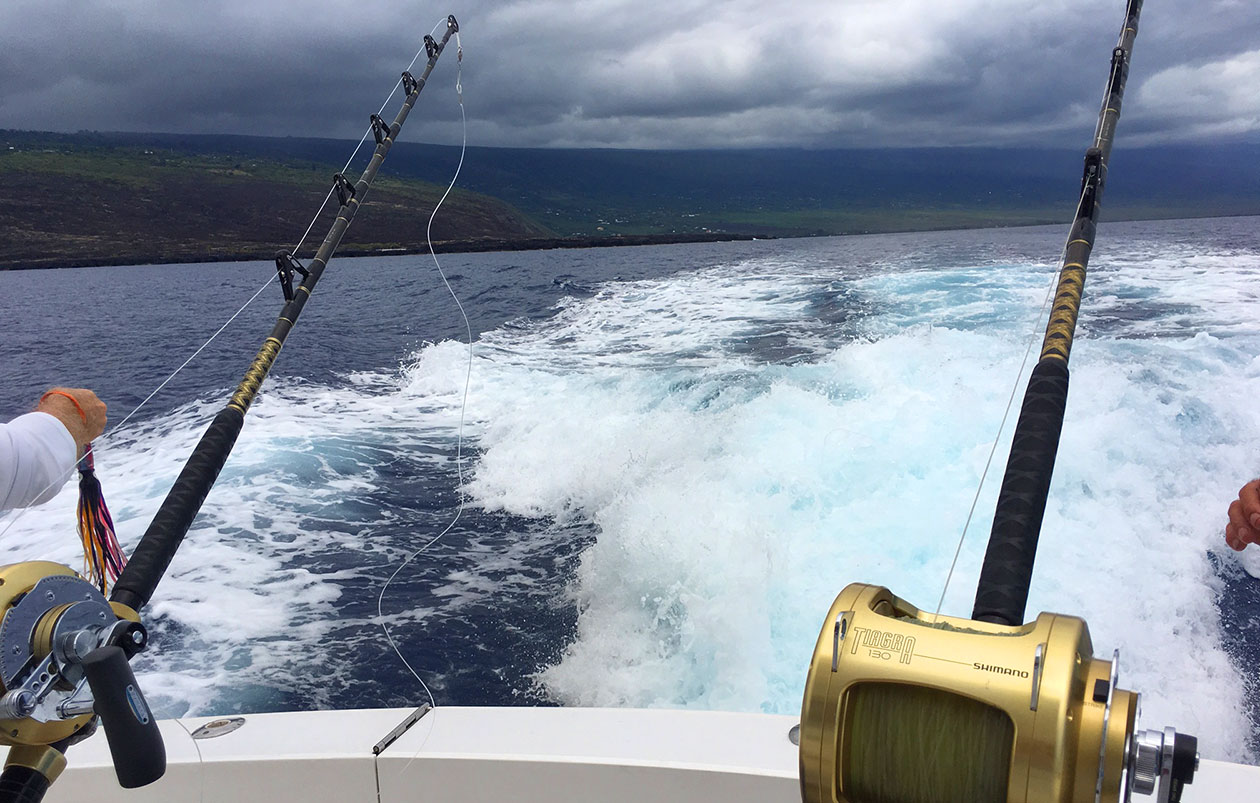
(1146, 758)
(75, 646)
(17, 704)
(1161, 763)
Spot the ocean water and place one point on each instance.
(674, 458)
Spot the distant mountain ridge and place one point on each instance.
(80, 201)
(596, 193)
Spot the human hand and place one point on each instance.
(1244, 518)
(79, 409)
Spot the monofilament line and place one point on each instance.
(1010, 402)
(113, 431)
(1054, 281)
(16, 515)
(459, 440)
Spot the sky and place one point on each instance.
(638, 73)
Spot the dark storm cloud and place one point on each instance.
(637, 73)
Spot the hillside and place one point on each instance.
(90, 196)
(803, 192)
(70, 204)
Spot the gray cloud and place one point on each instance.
(637, 73)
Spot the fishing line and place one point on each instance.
(459, 441)
(1111, 76)
(201, 761)
(363, 138)
(1054, 282)
(113, 431)
(17, 514)
(998, 437)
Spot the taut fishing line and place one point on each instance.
(1054, 281)
(459, 440)
(113, 431)
(103, 650)
(997, 438)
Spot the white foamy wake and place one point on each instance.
(746, 440)
(247, 616)
(734, 498)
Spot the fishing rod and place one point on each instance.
(901, 704)
(1005, 578)
(64, 648)
(170, 524)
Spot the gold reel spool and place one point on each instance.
(905, 707)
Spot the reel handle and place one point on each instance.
(130, 727)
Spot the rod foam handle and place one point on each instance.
(130, 727)
(22, 785)
(1006, 575)
(153, 554)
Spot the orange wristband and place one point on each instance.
(72, 399)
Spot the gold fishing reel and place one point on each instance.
(902, 706)
(63, 661)
(34, 598)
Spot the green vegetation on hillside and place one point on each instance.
(85, 205)
(92, 197)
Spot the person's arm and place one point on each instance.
(38, 450)
(1244, 518)
(37, 454)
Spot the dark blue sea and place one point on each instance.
(673, 458)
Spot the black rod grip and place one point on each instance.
(20, 784)
(1002, 592)
(130, 727)
(169, 526)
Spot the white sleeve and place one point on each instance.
(37, 454)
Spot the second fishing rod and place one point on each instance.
(1005, 578)
(902, 704)
(67, 649)
(170, 524)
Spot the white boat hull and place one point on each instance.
(521, 755)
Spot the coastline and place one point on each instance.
(441, 247)
(485, 245)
